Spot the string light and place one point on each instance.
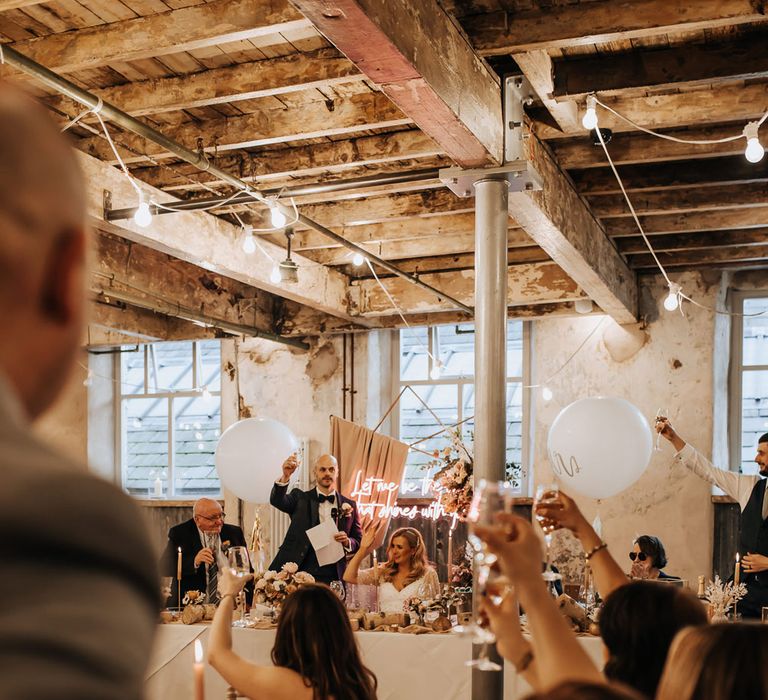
(206, 394)
(89, 378)
(546, 393)
(583, 306)
(143, 216)
(672, 301)
(275, 277)
(357, 259)
(589, 120)
(754, 152)
(434, 373)
(249, 245)
(276, 215)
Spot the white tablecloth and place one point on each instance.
(408, 667)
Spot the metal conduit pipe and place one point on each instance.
(340, 185)
(46, 76)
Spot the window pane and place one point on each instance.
(755, 332)
(456, 350)
(210, 364)
(132, 369)
(515, 349)
(515, 433)
(198, 427)
(413, 354)
(170, 367)
(417, 422)
(145, 431)
(754, 416)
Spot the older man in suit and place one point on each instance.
(308, 509)
(79, 594)
(204, 540)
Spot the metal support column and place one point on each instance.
(491, 222)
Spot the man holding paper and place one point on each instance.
(324, 525)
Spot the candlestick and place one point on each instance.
(736, 571)
(198, 671)
(158, 490)
(178, 575)
(376, 578)
(450, 557)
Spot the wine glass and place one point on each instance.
(547, 494)
(240, 565)
(489, 498)
(660, 413)
(166, 588)
(338, 588)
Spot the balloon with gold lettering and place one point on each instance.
(599, 446)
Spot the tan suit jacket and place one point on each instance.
(78, 584)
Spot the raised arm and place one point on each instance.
(279, 497)
(352, 573)
(566, 514)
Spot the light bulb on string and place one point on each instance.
(357, 259)
(275, 277)
(89, 379)
(248, 244)
(546, 393)
(276, 215)
(589, 120)
(206, 394)
(434, 373)
(754, 152)
(672, 300)
(142, 216)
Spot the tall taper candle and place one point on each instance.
(736, 571)
(198, 671)
(178, 576)
(450, 557)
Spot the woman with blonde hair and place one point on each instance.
(717, 662)
(407, 572)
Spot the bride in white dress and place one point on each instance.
(406, 573)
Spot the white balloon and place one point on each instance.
(250, 454)
(599, 446)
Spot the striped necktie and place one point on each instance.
(212, 572)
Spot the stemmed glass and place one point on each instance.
(489, 498)
(547, 494)
(240, 565)
(338, 588)
(660, 413)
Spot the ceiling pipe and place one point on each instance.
(67, 88)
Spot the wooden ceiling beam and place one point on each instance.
(559, 221)
(691, 199)
(338, 157)
(712, 256)
(434, 76)
(730, 103)
(18, 4)
(501, 33)
(244, 81)
(277, 125)
(726, 170)
(175, 31)
(527, 284)
(695, 241)
(721, 219)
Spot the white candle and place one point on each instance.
(736, 571)
(198, 670)
(178, 568)
(158, 488)
(450, 557)
(375, 569)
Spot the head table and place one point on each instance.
(408, 667)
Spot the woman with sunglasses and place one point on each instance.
(649, 559)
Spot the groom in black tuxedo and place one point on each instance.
(308, 509)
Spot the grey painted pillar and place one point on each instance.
(491, 223)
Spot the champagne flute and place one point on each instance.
(489, 498)
(547, 494)
(240, 565)
(660, 413)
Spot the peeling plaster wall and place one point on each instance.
(674, 369)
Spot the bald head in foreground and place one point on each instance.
(322, 504)
(79, 592)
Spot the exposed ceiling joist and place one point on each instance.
(694, 241)
(690, 221)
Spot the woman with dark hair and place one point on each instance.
(315, 655)
(638, 623)
(717, 662)
(586, 691)
(649, 559)
(406, 573)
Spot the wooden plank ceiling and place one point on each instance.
(259, 88)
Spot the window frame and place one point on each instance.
(525, 381)
(736, 374)
(120, 436)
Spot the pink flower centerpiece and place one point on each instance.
(273, 587)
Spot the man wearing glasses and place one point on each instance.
(203, 540)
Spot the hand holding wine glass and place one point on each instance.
(661, 417)
(547, 495)
(240, 568)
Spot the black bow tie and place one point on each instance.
(322, 498)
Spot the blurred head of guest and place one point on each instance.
(717, 662)
(314, 639)
(648, 558)
(42, 252)
(761, 458)
(586, 691)
(638, 623)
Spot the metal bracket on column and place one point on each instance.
(518, 94)
(520, 175)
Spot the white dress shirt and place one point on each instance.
(324, 509)
(737, 486)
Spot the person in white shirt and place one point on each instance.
(749, 490)
(310, 508)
